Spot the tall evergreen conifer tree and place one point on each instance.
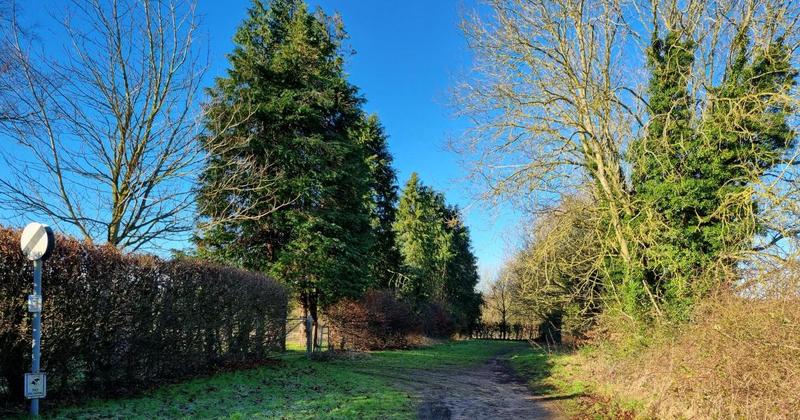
(387, 261)
(462, 276)
(423, 240)
(439, 266)
(286, 76)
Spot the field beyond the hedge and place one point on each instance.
(374, 385)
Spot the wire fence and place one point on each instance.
(314, 338)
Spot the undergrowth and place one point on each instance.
(738, 358)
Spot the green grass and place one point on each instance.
(547, 374)
(552, 376)
(556, 376)
(456, 354)
(298, 388)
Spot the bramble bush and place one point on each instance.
(115, 323)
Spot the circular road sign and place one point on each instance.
(37, 241)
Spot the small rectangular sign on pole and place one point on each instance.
(35, 385)
(34, 303)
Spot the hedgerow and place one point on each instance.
(115, 323)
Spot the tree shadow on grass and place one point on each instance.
(537, 369)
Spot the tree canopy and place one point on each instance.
(288, 190)
(439, 266)
(684, 152)
(299, 181)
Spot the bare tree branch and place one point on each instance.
(108, 143)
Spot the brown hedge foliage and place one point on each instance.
(114, 323)
(739, 358)
(437, 322)
(376, 321)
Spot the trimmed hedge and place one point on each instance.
(115, 323)
(509, 331)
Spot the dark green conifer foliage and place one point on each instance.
(662, 177)
(287, 69)
(386, 262)
(747, 135)
(423, 241)
(692, 175)
(462, 274)
(439, 266)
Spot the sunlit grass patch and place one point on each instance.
(296, 387)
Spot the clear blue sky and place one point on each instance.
(408, 55)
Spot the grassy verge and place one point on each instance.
(295, 387)
(559, 376)
(548, 374)
(737, 358)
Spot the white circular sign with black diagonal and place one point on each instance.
(37, 241)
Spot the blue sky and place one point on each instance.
(408, 55)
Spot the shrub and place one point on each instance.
(436, 321)
(376, 321)
(115, 323)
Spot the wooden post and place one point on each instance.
(328, 337)
(309, 349)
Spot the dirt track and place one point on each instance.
(487, 392)
(490, 391)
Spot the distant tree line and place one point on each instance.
(506, 331)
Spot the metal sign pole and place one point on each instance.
(36, 242)
(37, 329)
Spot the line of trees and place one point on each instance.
(653, 142)
(438, 264)
(303, 188)
(288, 175)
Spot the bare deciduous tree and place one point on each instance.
(7, 109)
(498, 302)
(109, 143)
(548, 104)
(557, 267)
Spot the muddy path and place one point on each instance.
(491, 391)
(488, 391)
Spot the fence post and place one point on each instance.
(328, 338)
(308, 335)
